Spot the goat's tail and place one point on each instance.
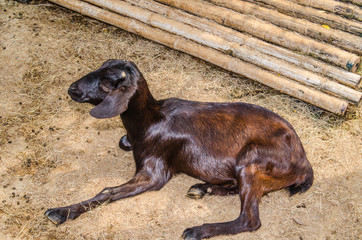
(302, 186)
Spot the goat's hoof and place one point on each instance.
(189, 234)
(124, 144)
(195, 193)
(56, 215)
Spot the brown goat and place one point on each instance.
(235, 148)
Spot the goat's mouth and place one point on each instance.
(77, 97)
(81, 99)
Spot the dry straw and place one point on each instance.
(72, 156)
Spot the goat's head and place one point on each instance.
(110, 88)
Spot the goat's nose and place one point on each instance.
(74, 90)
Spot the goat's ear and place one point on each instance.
(114, 104)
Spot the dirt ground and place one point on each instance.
(53, 153)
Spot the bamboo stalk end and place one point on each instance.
(353, 64)
(343, 108)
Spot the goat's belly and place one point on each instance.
(210, 169)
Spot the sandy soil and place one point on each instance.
(53, 153)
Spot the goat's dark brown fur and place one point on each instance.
(235, 148)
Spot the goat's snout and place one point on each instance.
(75, 93)
(87, 90)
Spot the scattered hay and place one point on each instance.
(53, 153)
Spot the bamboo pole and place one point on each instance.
(268, 32)
(347, 10)
(338, 38)
(313, 15)
(227, 62)
(242, 52)
(357, 2)
(347, 78)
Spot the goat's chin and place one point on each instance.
(93, 102)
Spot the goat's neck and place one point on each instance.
(143, 111)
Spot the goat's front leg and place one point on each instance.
(145, 180)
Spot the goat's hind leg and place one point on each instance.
(249, 179)
(199, 190)
(248, 220)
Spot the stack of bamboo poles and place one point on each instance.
(296, 56)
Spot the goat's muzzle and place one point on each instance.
(76, 94)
